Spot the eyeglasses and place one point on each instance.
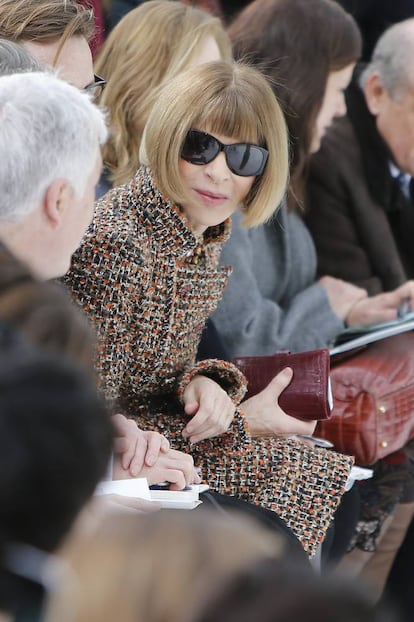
(96, 87)
(244, 159)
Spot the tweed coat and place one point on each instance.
(361, 222)
(149, 285)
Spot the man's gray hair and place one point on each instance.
(15, 59)
(48, 130)
(393, 59)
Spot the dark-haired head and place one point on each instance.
(297, 44)
(55, 443)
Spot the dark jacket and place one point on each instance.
(361, 221)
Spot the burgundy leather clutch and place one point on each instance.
(307, 395)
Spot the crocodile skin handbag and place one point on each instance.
(308, 394)
(373, 392)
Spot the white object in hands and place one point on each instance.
(186, 499)
(134, 487)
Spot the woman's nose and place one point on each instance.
(217, 169)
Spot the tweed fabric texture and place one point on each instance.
(148, 286)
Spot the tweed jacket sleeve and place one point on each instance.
(102, 298)
(227, 375)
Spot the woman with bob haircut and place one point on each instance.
(147, 274)
(149, 46)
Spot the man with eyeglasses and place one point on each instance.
(56, 33)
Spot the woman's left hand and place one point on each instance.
(264, 415)
(210, 407)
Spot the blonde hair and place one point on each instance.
(230, 99)
(156, 567)
(149, 46)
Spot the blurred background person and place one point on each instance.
(151, 44)
(124, 569)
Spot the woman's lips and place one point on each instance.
(211, 198)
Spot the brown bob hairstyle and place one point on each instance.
(297, 44)
(45, 21)
(228, 99)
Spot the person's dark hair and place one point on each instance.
(278, 591)
(14, 59)
(297, 43)
(45, 21)
(44, 313)
(55, 443)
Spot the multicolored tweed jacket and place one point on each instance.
(149, 286)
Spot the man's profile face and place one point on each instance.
(74, 62)
(395, 123)
(75, 220)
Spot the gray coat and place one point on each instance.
(272, 301)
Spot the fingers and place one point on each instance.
(130, 441)
(121, 444)
(280, 382)
(155, 443)
(214, 411)
(174, 467)
(120, 423)
(213, 417)
(135, 446)
(165, 444)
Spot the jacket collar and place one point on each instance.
(169, 226)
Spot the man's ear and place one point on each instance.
(374, 93)
(56, 201)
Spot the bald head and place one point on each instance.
(393, 59)
(388, 84)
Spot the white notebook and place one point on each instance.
(186, 499)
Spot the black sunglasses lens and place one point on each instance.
(199, 148)
(245, 160)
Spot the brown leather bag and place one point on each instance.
(373, 393)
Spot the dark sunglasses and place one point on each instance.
(96, 87)
(244, 159)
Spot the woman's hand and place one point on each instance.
(342, 296)
(210, 407)
(136, 447)
(264, 415)
(172, 466)
(381, 308)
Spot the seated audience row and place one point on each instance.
(147, 271)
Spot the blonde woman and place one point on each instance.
(148, 276)
(150, 45)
